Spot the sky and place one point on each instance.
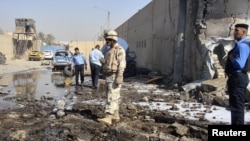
(69, 20)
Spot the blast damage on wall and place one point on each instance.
(175, 46)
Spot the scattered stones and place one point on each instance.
(131, 106)
(60, 113)
(145, 98)
(25, 115)
(79, 121)
(179, 129)
(174, 107)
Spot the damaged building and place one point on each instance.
(24, 37)
(186, 39)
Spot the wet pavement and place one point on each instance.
(30, 86)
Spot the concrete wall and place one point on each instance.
(152, 34)
(167, 35)
(149, 33)
(6, 45)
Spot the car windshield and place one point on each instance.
(61, 54)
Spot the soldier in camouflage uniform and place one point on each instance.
(114, 64)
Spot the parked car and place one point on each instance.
(62, 60)
(48, 54)
(35, 55)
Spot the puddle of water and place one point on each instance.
(18, 88)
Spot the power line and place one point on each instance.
(108, 17)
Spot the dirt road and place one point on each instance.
(41, 120)
(19, 65)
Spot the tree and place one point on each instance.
(41, 36)
(49, 39)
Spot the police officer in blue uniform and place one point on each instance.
(78, 64)
(236, 70)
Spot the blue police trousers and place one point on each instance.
(237, 84)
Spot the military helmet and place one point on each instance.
(111, 35)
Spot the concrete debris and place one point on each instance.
(213, 85)
(210, 92)
(61, 103)
(60, 113)
(192, 85)
(179, 128)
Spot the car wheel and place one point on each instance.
(67, 71)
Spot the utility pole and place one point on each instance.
(108, 18)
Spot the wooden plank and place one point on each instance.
(154, 79)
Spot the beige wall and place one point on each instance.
(6, 45)
(167, 35)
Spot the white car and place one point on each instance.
(48, 54)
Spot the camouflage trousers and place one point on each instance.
(113, 94)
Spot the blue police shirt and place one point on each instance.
(240, 53)
(78, 59)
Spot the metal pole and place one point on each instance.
(180, 47)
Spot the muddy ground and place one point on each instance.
(40, 119)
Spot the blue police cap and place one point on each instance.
(241, 25)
